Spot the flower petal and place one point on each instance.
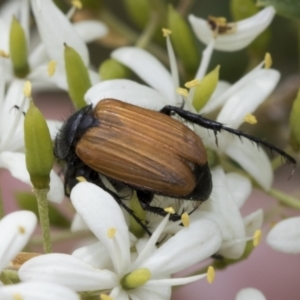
(16, 164)
(67, 270)
(187, 247)
(253, 160)
(94, 255)
(246, 30)
(90, 30)
(56, 30)
(101, 215)
(223, 210)
(151, 292)
(127, 91)
(15, 231)
(285, 236)
(250, 294)
(37, 290)
(249, 97)
(148, 68)
(240, 188)
(253, 221)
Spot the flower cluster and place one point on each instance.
(121, 262)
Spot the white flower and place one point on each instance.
(15, 231)
(55, 29)
(285, 236)
(105, 265)
(223, 207)
(12, 155)
(250, 294)
(243, 33)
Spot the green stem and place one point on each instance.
(65, 235)
(149, 31)
(41, 196)
(285, 199)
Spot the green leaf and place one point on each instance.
(286, 8)
(295, 124)
(27, 201)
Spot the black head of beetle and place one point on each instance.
(146, 150)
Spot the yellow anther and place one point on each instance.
(111, 232)
(268, 60)
(182, 91)
(80, 179)
(105, 297)
(77, 4)
(170, 210)
(251, 119)
(27, 89)
(185, 219)
(256, 237)
(192, 83)
(219, 21)
(17, 297)
(51, 67)
(220, 26)
(22, 230)
(166, 32)
(4, 54)
(210, 274)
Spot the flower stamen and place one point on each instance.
(251, 119)
(268, 60)
(111, 232)
(185, 219)
(182, 91)
(210, 274)
(51, 67)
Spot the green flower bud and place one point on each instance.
(135, 279)
(134, 227)
(38, 147)
(112, 69)
(242, 9)
(138, 11)
(286, 8)
(295, 124)
(18, 49)
(183, 40)
(77, 76)
(205, 89)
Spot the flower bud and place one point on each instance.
(183, 40)
(112, 69)
(77, 76)
(135, 279)
(38, 147)
(137, 209)
(295, 124)
(138, 11)
(205, 89)
(18, 49)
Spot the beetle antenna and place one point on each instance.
(218, 127)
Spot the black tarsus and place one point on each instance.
(218, 127)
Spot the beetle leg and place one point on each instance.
(218, 127)
(145, 199)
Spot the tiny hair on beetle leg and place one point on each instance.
(147, 151)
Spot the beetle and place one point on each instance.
(149, 151)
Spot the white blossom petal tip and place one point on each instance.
(128, 91)
(37, 290)
(149, 69)
(245, 31)
(285, 236)
(250, 294)
(90, 30)
(15, 231)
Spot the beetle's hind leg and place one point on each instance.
(218, 127)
